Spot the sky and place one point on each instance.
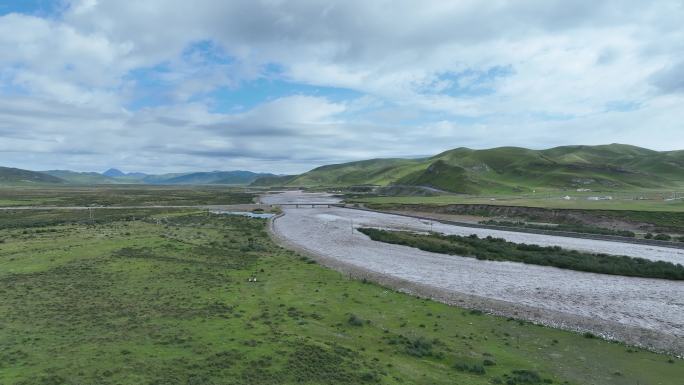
(284, 86)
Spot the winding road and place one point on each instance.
(646, 312)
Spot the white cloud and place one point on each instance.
(576, 72)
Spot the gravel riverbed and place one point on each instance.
(647, 312)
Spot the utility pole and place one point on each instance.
(91, 215)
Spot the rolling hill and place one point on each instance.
(16, 176)
(114, 176)
(275, 180)
(461, 170)
(375, 171)
(511, 169)
(213, 177)
(74, 177)
(12, 176)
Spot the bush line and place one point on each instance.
(498, 249)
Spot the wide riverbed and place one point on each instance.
(637, 310)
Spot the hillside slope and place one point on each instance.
(82, 177)
(512, 169)
(12, 176)
(275, 180)
(216, 177)
(375, 171)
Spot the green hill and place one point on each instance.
(375, 171)
(82, 177)
(461, 170)
(114, 176)
(216, 177)
(442, 176)
(15, 176)
(272, 180)
(512, 169)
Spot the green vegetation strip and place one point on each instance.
(498, 249)
(574, 228)
(190, 298)
(661, 221)
(127, 195)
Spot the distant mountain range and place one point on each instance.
(15, 176)
(216, 177)
(506, 169)
(114, 173)
(462, 170)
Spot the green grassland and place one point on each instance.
(127, 195)
(654, 200)
(87, 178)
(508, 170)
(165, 298)
(637, 218)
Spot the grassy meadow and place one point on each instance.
(122, 195)
(649, 200)
(168, 298)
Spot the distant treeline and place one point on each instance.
(574, 228)
(498, 249)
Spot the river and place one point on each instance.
(648, 312)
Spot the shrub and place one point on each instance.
(419, 347)
(370, 377)
(662, 237)
(469, 368)
(524, 377)
(53, 380)
(488, 362)
(648, 236)
(574, 228)
(354, 320)
(495, 249)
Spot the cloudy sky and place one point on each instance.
(283, 86)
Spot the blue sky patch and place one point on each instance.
(42, 8)
(470, 82)
(250, 94)
(623, 105)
